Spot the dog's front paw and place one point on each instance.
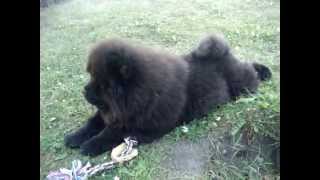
(94, 147)
(74, 140)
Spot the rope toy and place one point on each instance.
(120, 154)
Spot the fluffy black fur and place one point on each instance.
(145, 93)
(216, 77)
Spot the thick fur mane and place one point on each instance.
(151, 78)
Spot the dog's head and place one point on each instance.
(112, 72)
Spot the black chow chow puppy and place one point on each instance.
(145, 93)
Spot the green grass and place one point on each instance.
(69, 29)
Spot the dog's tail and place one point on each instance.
(264, 73)
(211, 47)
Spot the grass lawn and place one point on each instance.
(228, 144)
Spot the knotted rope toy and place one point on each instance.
(120, 154)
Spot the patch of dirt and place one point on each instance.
(187, 159)
(191, 159)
